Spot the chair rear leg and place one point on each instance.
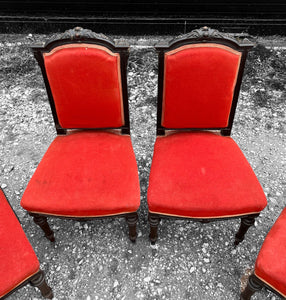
(154, 221)
(39, 281)
(246, 222)
(132, 220)
(42, 222)
(253, 285)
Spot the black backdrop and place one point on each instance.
(138, 16)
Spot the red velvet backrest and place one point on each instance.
(199, 83)
(85, 82)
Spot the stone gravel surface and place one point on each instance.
(95, 259)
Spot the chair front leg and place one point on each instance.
(42, 222)
(39, 281)
(253, 285)
(154, 221)
(132, 219)
(246, 222)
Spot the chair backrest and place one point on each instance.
(85, 77)
(200, 75)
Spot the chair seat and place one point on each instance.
(270, 265)
(85, 174)
(18, 261)
(202, 175)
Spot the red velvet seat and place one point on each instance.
(90, 168)
(197, 170)
(202, 175)
(18, 261)
(85, 174)
(270, 266)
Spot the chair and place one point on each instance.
(270, 266)
(198, 171)
(18, 261)
(89, 170)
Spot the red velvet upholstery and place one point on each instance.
(199, 82)
(85, 81)
(18, 260)
(270, 265)
(202, 175)
(84, 174)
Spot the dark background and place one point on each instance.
(143, 17)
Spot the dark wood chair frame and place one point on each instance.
(37, 280)
(74, 36)
(202, 35)
(254, 284)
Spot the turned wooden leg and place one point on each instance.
(132, 219)
(39, 281)
(246, 222)
(42, 222)
(154, 221)
(253, 285)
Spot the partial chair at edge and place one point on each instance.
(198, 171)
(270, 265)
(89, 170)
(18, 261)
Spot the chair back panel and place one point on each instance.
(85, 81)
(199, 83)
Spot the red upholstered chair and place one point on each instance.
(198, 171)
(89, 170)
(18, 262)
(270, 266)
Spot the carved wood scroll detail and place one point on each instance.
(206, 33)
(78, 33)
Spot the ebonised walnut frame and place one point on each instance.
(254, 284)
(202, 35)
(37, 280)
(74, 36)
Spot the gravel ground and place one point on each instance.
(95, 259)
